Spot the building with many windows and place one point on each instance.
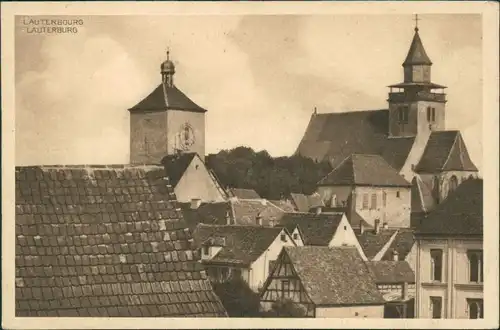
(449, 265)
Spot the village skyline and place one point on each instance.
(326, 63)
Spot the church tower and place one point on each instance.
(166, 122)
(415, 107)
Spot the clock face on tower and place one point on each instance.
(186, 135)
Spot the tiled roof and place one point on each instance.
(246, 211)
(176, 165)
(416, 53)
(391, 272)
(243, 244)
(316, 229)
(445, 151)
(304, 203)
(402, 244)
(334, 276)
(208, 213)
(461, 213)
(105, 241)
(372, 243)
(243, 193)
(165, 97)
(364, 170)
(286, 206)
(336, 136)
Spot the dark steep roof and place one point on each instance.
(402, 244)
(243, 193)
(422, 198)
(391, 272)
(416, 53)
(165, 97)
(316, 229)
(243, 244)
(336, 136)
(105, 242)
(364, 170)
(334, 276)
(372, 243)
(176, 165)
(461, 213)
(445, 151)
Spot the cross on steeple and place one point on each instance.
(416, 19)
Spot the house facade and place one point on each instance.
(370, 187)
(450, 269)
(244, 251)
(299, 275)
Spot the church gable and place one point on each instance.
(445, 151)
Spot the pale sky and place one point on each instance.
(259, 77)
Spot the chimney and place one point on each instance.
(318, 210)
(377, 226)
(195, 203)
(361, 227)
(405, 294)
(385, 225)
(395, 255)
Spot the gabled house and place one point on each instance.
(328, 229)
(243, 251)
(191, 178)
(321, 280)
(450, 263)
(196, 212)
(369, 186)
(105, 241)
(384, 243)
(396, 282)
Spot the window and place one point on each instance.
(365, 201)
(285, 288)
(436, 307)
(431, 114)
(295, 236)
(374, 202)
(475, 308)
(206, 250)
(283, 237)
(397, 194)
(384, 199)
(436, 265)
(453, 184)
(403, 115)
(475, 266)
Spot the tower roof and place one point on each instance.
(416, 54)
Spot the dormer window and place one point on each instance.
(206, 250)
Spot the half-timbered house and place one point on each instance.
(325, 282)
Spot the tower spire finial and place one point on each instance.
(168, 53)
(416, 19)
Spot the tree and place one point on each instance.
(285, 308)
(237, 297)
(272, 178)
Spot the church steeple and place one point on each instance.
(414, 106)
(168, 71)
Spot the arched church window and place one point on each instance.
(453, 184)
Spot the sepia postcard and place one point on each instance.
(170, 165)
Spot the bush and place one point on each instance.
(238, 299)
(288, 308)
